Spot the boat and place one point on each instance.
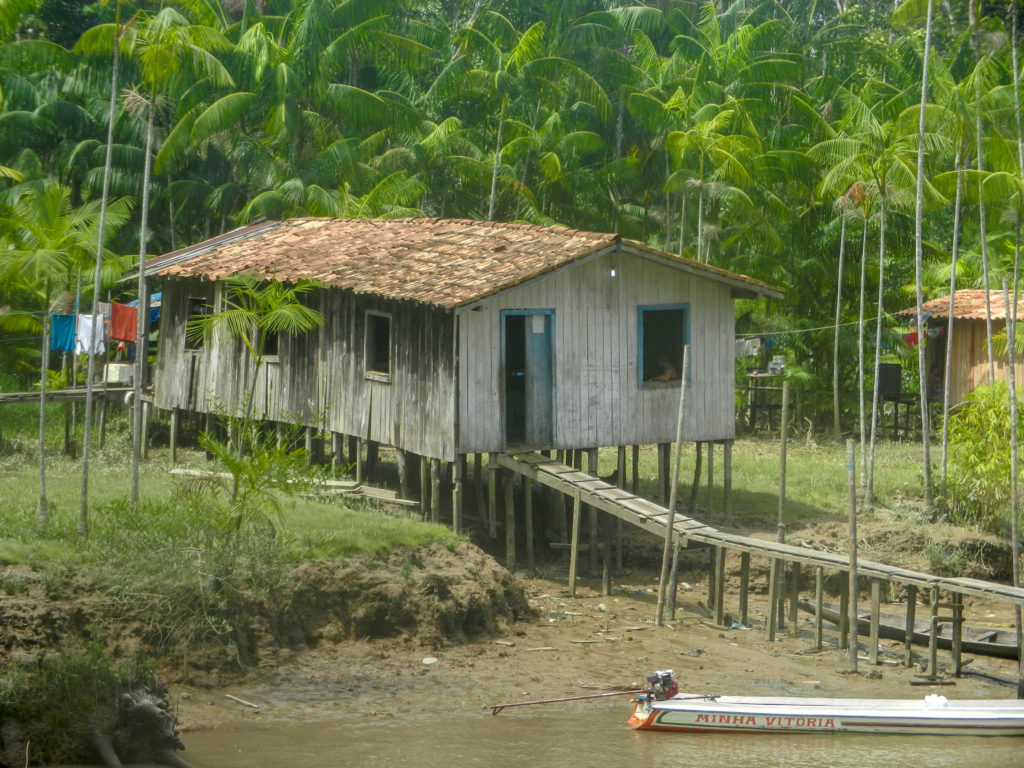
(665, 708)
(1000, 643)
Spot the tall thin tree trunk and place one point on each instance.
(497, 159)
(922, 371)
(860, 351)
(682, 224)
(43, 506)
(870, 489)
(982, 227)
(947, 375)
(141, 342)
(836, 427)
(700, 223)
(1011, 335)
(83, 510)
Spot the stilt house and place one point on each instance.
(970, 348)
(448, 337)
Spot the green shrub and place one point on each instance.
(979, 441)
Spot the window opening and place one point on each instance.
(378, 343)
(663, 333)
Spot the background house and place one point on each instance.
(448, 337)
(970, 352)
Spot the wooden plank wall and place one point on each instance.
(597, 400)
(970, 357)
(319, 378)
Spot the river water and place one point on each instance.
(574, 736)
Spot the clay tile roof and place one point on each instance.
(443, 262)
(968, 304)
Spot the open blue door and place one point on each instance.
(529, 386)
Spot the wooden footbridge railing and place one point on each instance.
(585, 489)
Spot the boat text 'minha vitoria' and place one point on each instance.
(665, 708)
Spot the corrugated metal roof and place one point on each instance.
(443, 262)
(968, 304)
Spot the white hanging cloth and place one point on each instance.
(89, 327)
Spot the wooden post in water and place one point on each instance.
(876, 611)
(908, 655)
(744, 586)
(851, 482)
(670, 522)
(510, 521)
(819, 592)
(574, 544)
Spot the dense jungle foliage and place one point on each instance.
(761, 137)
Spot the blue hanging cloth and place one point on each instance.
(62, 333)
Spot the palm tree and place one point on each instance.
(47, 237)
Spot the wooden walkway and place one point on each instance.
(653, 518)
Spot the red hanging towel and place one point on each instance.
(123, 322)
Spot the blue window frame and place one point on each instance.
(662, 332)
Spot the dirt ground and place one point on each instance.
(574, 646)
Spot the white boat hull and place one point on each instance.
(762, 714)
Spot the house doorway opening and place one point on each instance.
(529, 390)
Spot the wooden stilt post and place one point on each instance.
(794, 597)
(435, 491)
(620, 480)
(712, 577)
(958, 633)
(478, 486)
(851, 481)
(336, 457)
(635, 487)
(720, 588)
(145, 429)
(744, 586)
(174, 435)
(664, 470)
(819, 592)
(510, 521)
(673, 585)
(574, 544)
(103, 422)
(424, 487)
(772, 619)
(372, 453)
(402, 467)
(844, 615)
(674, 482)
(528, 515)
(727, 478)
(592, 512)
(876, 608)
(711, 476)
(492, 495)
(933, 634)
(307, 444)
(908, 655)
(458, 480)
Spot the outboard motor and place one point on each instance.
(663, 685)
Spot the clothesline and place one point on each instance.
(829, 327)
